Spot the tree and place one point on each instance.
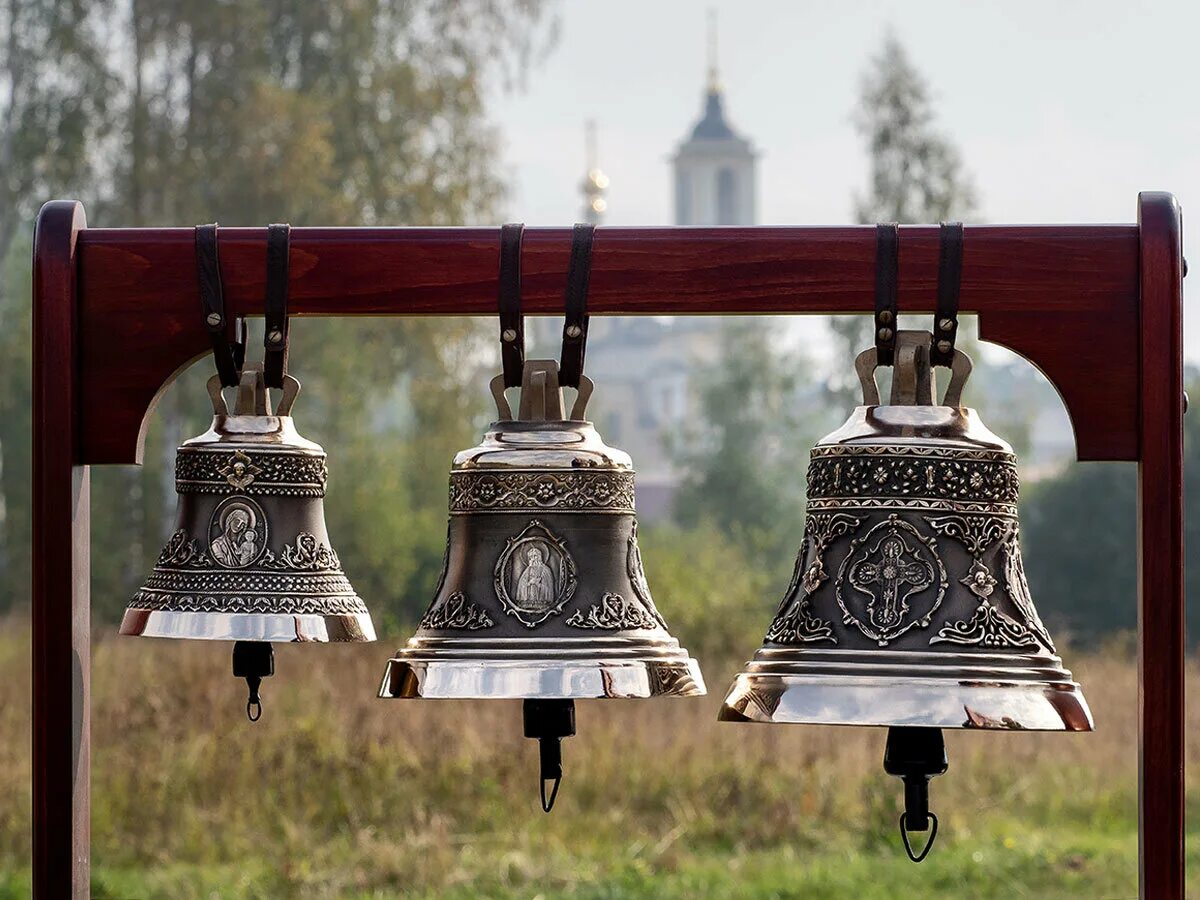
(743, 458)
(314, 113)
(916, 175)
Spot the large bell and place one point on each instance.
(250, 559)
(908, 606)
(542, 595)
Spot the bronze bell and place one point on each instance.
(542, 595)
(908, 606)
(250, 559)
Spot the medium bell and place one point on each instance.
(908, 606)
(542, 595)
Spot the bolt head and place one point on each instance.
(508, 335)
(213, 320)
(574, 331)
(276, 336)
(944, 346)
(946, 324)
(885, 334)
(885, 317)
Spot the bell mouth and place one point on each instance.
(273, 628)
(566, 668)
(1006, 692)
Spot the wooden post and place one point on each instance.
(1160, 552)
(61, 602)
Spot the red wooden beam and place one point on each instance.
(1161, 555)
(1065, 296)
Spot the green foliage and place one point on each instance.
(740, 455)
(1080, 543)
(916, 176)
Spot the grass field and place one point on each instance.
(337, 794)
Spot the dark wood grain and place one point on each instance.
(139, 295)
(1161, 557)
(61, 602)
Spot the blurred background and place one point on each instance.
(162, 112)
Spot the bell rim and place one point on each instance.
(538, 676)
(276, 628)
(948, 703)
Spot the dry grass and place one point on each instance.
(337, 793)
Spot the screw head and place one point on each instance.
(508, 335)
(213, 320)
(885, 317)
(944, 346)
(885, 334)
(276, 336)
(574, 331)
(946, 324)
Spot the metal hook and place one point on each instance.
(917, 857)
(548, 805)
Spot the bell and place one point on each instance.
(250, 560)
(908, 605)
(542, 595)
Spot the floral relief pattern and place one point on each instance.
(455, 612)
(613, 613)
(559, 491)
(250, 470)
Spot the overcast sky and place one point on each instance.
(1062, 111)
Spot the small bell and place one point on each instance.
(908, 606)
(250, 559)
(542, 595)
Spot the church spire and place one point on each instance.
(714, 79)
(595, 182)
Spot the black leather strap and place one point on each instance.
(212, 300)
(945, 321)
(575, 326)
(887, 281)
(275, 332)
(512, 324)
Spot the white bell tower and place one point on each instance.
(716, 180)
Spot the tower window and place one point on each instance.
(726, 197)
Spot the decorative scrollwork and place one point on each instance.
(1018, 587)
(578, 490)
(797, 625)
(251, 470)
(613, 613)
(913, 473)
(976, 532)
(455, 612)
(263, 604)
(988, 627)
(637, 575)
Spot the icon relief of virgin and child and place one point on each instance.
(238, 542)
(535, 585)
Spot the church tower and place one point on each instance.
(716, 181)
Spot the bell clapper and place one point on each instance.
(916, 755)
(254, 661)
(549, 721)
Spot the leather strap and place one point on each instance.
(945, 321)
(212, 300)
(575, 326)
(512, 324)
(887, 281)
(275, 332)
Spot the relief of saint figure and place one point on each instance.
(238, 540)
(535, 586)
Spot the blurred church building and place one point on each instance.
(648, 366)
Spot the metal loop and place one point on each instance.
(917, 857)
(548, 805)
(253, 710)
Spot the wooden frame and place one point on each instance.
(116, 316)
